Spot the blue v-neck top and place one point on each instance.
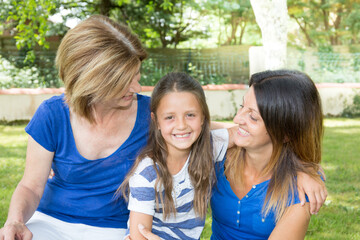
(82, 190)
(234, 218)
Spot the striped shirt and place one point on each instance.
(185, 225)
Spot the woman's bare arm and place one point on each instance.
(293, 224)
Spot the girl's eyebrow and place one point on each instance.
(166, 113)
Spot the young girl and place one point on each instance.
(171, 180)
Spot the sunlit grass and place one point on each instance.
(12, 161)
(338, 218)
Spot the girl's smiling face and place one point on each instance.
(252, 133)
(179, 119)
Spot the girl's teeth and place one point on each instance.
(184, 135)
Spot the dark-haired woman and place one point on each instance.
(280, 127)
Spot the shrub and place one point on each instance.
(27, 76)
(353, 110)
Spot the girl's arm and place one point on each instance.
(28, 192)
(137, 218)
(231, 127)
(232, 131)
(315, 190)
(217, 125)
(293, 224)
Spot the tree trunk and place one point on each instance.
(337, 25)
(304, 30)
(105, 7)
(242, 31)
(235, 20)
(272, 17)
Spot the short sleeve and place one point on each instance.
(220, 142)
(142, 188)
(40, 127)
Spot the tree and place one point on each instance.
(272, 17)
(30, 21)
(166, 23)
(353, 21)
(302, 14)
(326, 22)
(162, 23)
(234, 13)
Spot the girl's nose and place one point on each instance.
(180, 124)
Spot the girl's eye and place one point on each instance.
(191, 115)
(168, 117)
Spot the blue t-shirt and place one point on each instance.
(82, 190)
(234, 218)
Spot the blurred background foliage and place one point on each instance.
(321, 29)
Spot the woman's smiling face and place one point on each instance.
(252, 133)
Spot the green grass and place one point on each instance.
(338, 218)
(13, 141)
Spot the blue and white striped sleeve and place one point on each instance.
(220, 142)
(142, 188)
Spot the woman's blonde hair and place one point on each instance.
(97, 61)
(200, 167)
(290, 106)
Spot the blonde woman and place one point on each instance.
(89, 136)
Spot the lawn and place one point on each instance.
(338, 218)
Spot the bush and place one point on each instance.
(353, 110)
(151, 74)
(209, 79)
(26, 76)
(12, 77)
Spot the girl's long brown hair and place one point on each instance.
(200, 167)
(290, 106)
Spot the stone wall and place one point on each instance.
(223, 100)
